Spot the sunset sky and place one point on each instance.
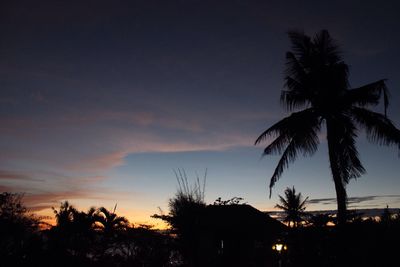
(101, 100)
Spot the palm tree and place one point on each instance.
(316, 82)
(294, 205)
(65, 215)
(110, 221)
(68, 218)
(84, 222)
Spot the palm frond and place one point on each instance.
(302, 128)
(297, 94)
(287, 157)
(302, 205)
(289, 125)
(277, 146)
(379, 128)
(294, 68)
(350, 163)
(326, 47)
(295, 133)
(369, 94)
(343, 134)
(308, 145)
(301, 43)
(292, 100)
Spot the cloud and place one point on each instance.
(49, 199)
(4, 188)
(10, 175)
(98, 162)
(68, 157)
(43, 197)
(323, 201)
(359, 200)
(100, 140)
(54, 187)
(355, 201)
(65, 141)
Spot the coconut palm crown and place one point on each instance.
(110, 221)
(318, 94)
(293, 205)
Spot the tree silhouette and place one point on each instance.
(84, 222)
(293, 205)
(320, 220)
(386, 216)
(74, 233)
(185, 210)
(64, 215)
(110, 221)
(17, 228)
(316, 81)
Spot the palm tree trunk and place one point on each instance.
(341, 196)
(341, 201)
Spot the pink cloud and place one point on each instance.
(49, 199)
(100, 162)
(138, 118)
(43, 197)
(9, 175)
(4, 188)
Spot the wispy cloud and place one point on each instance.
(55, 187)
(356, 201)
(37, 199)
(5, 188)
(322, 201)
(11, 175)
(44, 200)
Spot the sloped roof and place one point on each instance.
(241, 218)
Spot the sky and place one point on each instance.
(100, 101)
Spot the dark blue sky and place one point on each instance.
(101, 100)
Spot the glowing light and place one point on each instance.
(279, 247)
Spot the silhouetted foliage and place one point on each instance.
(293, 205)
(232, 201)
(65, 215)
(185, 209)
(386, 217)
(74, 235)
(320, 220)
(317, 81)
(247, 235)
(18, 229)
(110, 221)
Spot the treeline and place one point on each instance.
(99, 237)
(96, 237)
(372, 241)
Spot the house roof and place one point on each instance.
(240, 218)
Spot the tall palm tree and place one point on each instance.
(316, 82)
(293, 205)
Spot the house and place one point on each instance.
(236, 235)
